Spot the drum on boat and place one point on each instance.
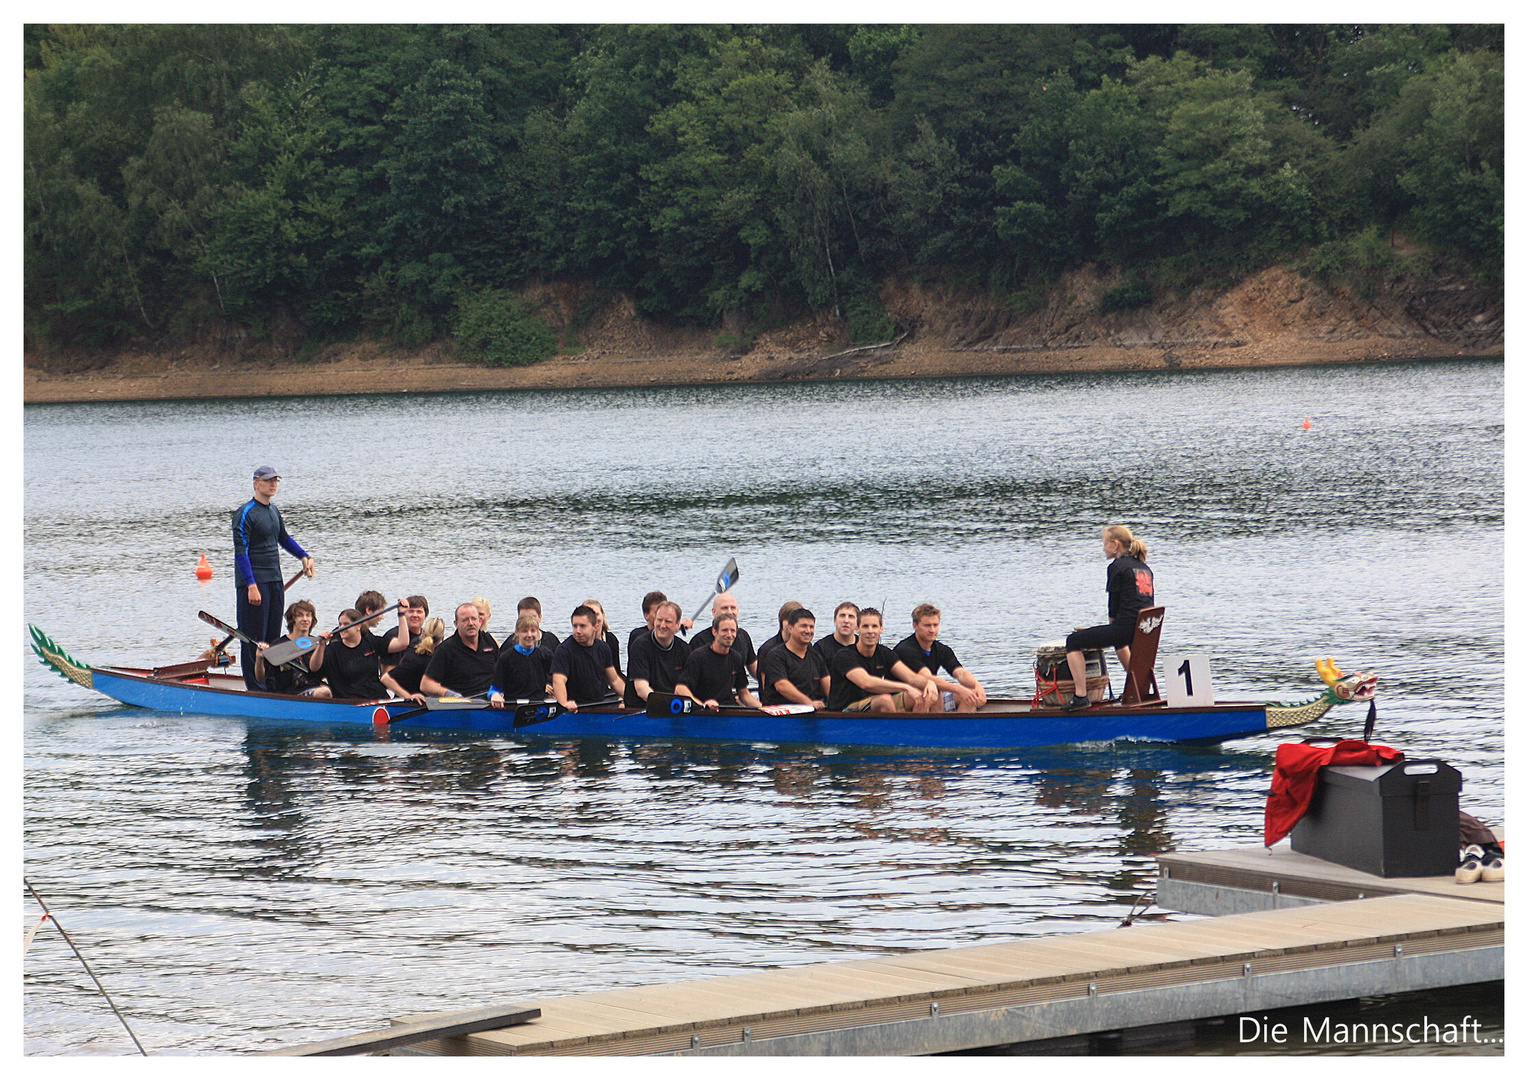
(1053, 678)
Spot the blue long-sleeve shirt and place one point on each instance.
(257, 530)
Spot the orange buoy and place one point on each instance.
(1305, 425)
(203, 569)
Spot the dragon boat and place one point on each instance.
(207, 688)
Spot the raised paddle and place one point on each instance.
(284, 652)
(231, 631)
(724, 582)
(234, 633)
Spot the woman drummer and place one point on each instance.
(1131, 588)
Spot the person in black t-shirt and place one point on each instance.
(292, 678)
(657, 659)
(529, 605)
(794, 673)
(1131, 586)
(716, 674)
(368, 604)
(397, 641)
(351, 665)
(869, 677)
(649, 603)
(524, 669)
(603, 632)
(779, 638)
(924, 653)
(845, 633)
(725, 604)
(403, 677)
(582, 667)
(462, 665)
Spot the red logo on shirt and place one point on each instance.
(1143, 582)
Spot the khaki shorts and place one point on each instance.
(898, 699)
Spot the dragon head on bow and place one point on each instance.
(1359, 686)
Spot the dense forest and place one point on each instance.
(404, 181)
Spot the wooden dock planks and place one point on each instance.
(1257, 868)
(817, 997)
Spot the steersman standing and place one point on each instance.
(257, 531)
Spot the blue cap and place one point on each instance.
(265, 472)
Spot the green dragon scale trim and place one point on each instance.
(52, 654)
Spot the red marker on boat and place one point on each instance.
(204, 569)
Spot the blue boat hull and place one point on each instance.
(984, 730)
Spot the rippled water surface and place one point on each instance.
(242, 885)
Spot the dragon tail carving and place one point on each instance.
(52, 654)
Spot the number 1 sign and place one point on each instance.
(1186, 680)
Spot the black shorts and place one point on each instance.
(1109, 636)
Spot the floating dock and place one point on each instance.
(1291, 930)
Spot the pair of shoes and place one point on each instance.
(1493, 864)
(1079, 701)
(1469, 865)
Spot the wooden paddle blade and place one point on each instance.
(537, 712)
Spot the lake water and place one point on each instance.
(242, 885)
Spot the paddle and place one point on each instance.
(667, 705)
(526, 712)
(443, 704)
(724, 582)
(539, 712)
(284, 652)
(232, 633)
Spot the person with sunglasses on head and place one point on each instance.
(259, 534)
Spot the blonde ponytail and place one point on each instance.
(1122, 535)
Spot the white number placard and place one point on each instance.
(1186, 680)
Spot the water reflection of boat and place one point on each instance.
(198, 688)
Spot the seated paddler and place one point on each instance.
(793, 673)
(583, 669)
(868, 677)
(716, 674)
(350, 664)
(656, 660)
(524, 669)
(926, 655)
(291, 678)
(462, 665)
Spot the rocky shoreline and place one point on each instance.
(396, 375)
(1272, 319)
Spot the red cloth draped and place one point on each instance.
(1294, 778)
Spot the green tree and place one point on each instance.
(1455, 162)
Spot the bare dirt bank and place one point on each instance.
(1275, 318)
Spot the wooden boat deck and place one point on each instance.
(1041, 987)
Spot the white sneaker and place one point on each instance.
(1493, 866)
(1469, 865)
